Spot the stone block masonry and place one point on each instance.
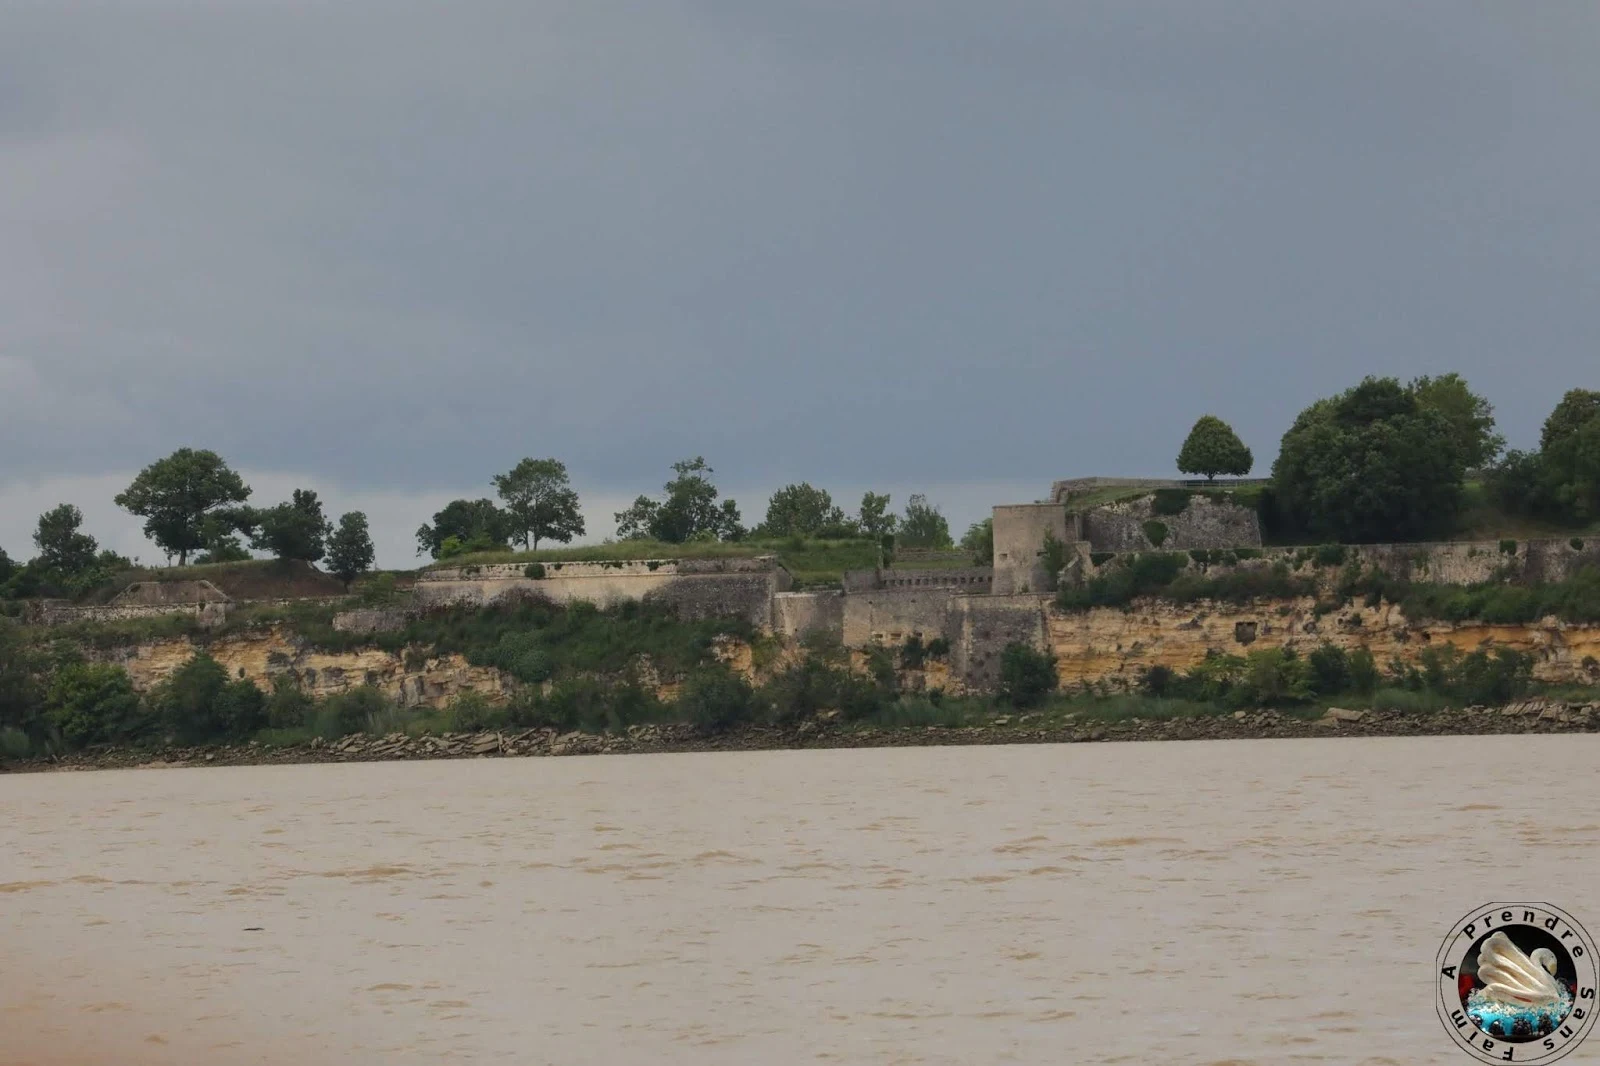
(1204, 523)
(1019, 531)
(698, 588)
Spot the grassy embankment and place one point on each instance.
(812, 563)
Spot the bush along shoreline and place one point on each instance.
(581, 671)
(1539, 715)
(200, 716)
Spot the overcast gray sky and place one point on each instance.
(386, 248)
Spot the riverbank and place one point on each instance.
(1524, 716)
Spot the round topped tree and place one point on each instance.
(1214, 448)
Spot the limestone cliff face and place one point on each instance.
(410, 679)
(1116, 645)
(260, 656)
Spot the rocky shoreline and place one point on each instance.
(827, 731)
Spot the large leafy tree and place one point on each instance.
(1569, 456)
(875, 518)
(540, 502)
(294, 530)
(94, 703)
(923, 526)
(1470, 417)
(350, 552)
(802, 510)
(177, 494)
(690, 510)
(472, 525)
(1213, 448)
(62, 549)
(1372, 464)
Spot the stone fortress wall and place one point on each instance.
(979, 610)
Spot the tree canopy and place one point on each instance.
(1213, 448)
(350, 551)
(473, 526)
(923, 526)
(540, 503)
(875, 519)
(62, 549)
(979, 540)
(293, 530)
(1371, 464)
(177, 494)
(801, 510)
(1471, 419)
(1569, 456)
(690, 510)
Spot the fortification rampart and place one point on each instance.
(1542, 561)
(695, 587)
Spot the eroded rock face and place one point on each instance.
(1111, 644)
(433, 681)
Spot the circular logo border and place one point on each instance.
(1460, 940)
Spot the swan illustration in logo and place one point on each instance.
(1511, 977)
(1519, 994)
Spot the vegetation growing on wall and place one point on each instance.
(1167, 575)
(1275, 677)
(1496, 603)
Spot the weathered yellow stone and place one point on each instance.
(1116, 645)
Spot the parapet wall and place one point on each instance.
(698, 588)
(62, 613)
(971, 579)
(1546, 560)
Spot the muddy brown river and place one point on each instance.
(1235, 902)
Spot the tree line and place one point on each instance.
(197, 508)
(537, 503)
(1386, 461)
(193, 504)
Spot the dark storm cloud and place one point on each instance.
(400, 245)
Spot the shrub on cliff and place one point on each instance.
(350, 711)
(21, 688)
(1213, 448)
(715, 699)
(94, 703)
(1027, 675)
(470, 712)
(288, 707)
(198, 704)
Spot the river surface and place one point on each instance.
(1233, 902)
